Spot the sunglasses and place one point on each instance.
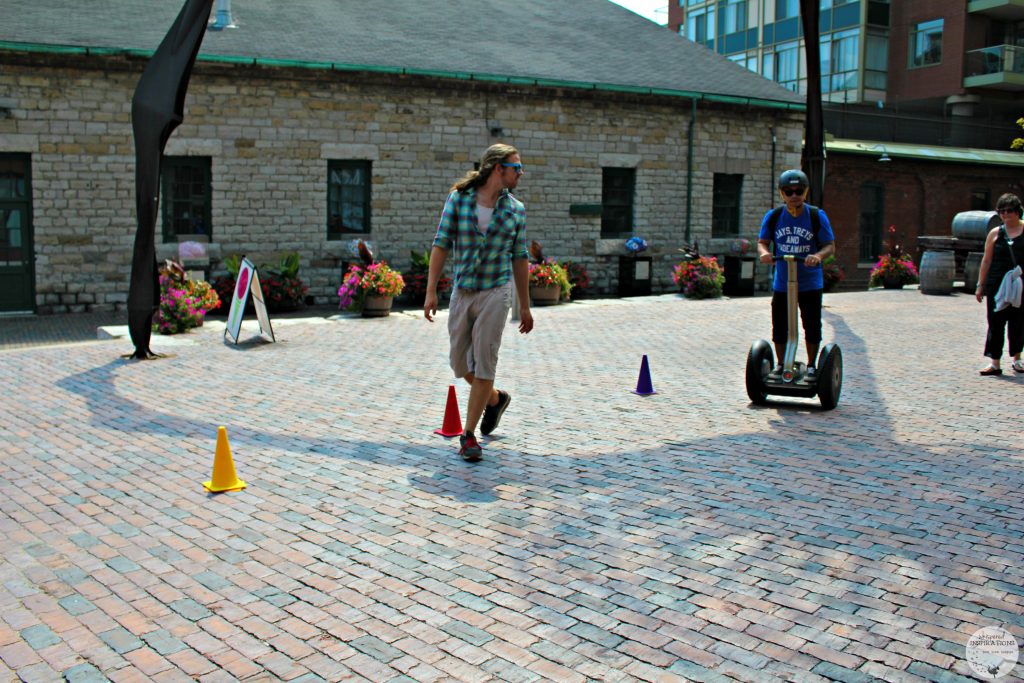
(790, 191)
(1006, 210)
(518, 167)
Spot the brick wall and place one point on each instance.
(270, 132)
(920, 198)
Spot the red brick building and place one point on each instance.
(931, 86)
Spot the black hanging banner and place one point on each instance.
(813, 160)
(158, 107)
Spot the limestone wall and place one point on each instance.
(270, 132)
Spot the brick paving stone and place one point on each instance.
(733, 542)
(882, 672)
(39, 636)
(84, 673)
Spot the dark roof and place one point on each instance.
(586, 42)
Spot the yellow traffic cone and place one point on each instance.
(224, 477)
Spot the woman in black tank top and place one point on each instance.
(1004, 251)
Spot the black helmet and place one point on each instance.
(794, 177)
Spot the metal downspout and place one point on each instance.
(689, 168)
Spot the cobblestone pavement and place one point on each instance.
(687, 535)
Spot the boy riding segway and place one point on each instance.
(802, 238)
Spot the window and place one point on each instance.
(747, 60)
(981, 199)
(872, 207)
(787, 59)
(876, 61)
(926, 43)
(14, 199)
(617, 185)
(735, 18)
(725, 205)
(878, 13)
(839, 52)
(700, 25)
(185, 187)
(348, 198)
(784, 9)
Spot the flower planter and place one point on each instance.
(892, 282)
(377, 306)
(545, 296)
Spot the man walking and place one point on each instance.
(486, 226)
(802, 230)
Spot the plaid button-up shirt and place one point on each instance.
(482, 261)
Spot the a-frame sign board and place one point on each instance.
(248, 281)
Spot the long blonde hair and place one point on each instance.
(494, 155)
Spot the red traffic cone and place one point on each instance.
(452, 420)
(643, 383)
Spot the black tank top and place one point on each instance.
(1001, 261)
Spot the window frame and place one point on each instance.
(789, 49)
(871, 236)
(726, 212)
(169, 167)
(786, 9)
(701, 21)
(834, 46)
(917, 54)
(735, 16)
(981, 199)
(617, 226)
(364, 165)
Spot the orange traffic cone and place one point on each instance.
(644, 387)
(452, 420)
(224, 477)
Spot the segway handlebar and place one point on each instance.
(793, 257)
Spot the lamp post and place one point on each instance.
(884, 158)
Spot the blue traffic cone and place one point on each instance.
(643, 384)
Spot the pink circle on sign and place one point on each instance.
(243, 282)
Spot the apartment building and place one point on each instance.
(920, 103)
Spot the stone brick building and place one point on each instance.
(308, 126)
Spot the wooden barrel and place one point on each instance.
(377, 306)
(972, 264)
(937, 271)
(974, 224)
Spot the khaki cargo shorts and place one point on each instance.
(476, 320)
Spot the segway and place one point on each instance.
(762, 379)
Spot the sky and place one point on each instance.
(655, 10)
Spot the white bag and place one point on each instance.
(1009, 290)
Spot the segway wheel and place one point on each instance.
(830, 377)
(759, 363)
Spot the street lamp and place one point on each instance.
(885, 158)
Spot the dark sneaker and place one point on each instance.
(492, 414)
(812, 373)
(469, 448)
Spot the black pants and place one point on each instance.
(810, 314)
(1008, 322)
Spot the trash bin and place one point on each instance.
(739, 276)
(634, 275)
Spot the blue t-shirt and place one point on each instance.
(794, 235)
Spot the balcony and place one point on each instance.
(1000, 67)
(1003, 10)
